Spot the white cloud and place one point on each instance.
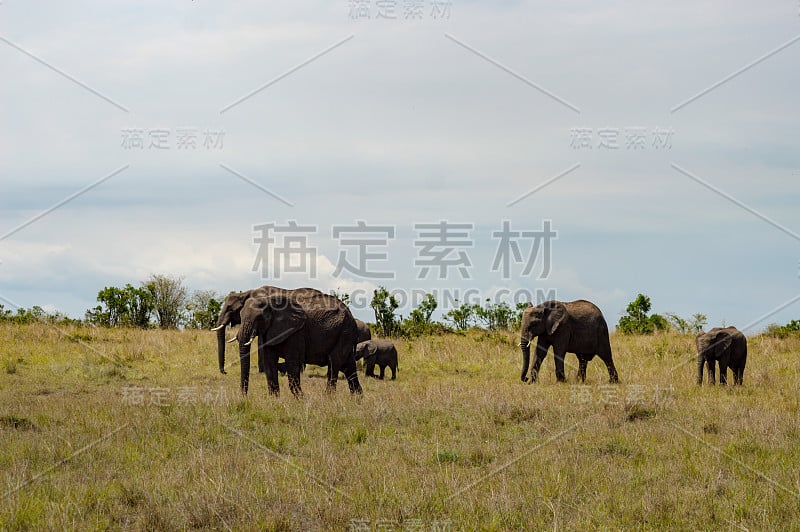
(400, 125)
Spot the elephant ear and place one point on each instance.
(556, 317)
(722, 341)
(700, 342)
(372, 349)
(287, 318)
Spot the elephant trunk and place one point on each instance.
(525, 345)
(700, 362)
(246, 333)
(244, 353)
(221, 349)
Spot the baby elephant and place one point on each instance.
(728, 346)
(380, 352)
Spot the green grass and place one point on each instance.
(135, 429)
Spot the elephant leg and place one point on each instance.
(582, 364)
(271, 369)
(261, 368)
(711, 365)
(394, 371)
(333, 376)
(244, 368)
(293, 371)
(541, 353)
(723, 373)
(613, 376)
(369, 367)
(559, 356)
(604, 352)
(349, 370)
(383, 368)
(738, 374)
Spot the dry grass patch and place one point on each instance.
(456, 439)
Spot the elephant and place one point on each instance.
(570, 327)
(380, 352)
(303, 328)
(363, 332)
(728, 346)
(230, 314)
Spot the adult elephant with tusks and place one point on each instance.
(570, 327)
(230, 314)
(301, 328)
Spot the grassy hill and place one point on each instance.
(137, 429)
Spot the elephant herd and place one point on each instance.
(579, 327)
(306, 326)
(302, 326)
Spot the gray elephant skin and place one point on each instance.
(570, 327)
(726, 346)
(230, 314)
(302, 328)
(364, 333)
(377, 352)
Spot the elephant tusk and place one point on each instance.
(250, 341)
(234, 339)
(218, 328)
(529, 343)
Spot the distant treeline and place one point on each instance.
(165, 302)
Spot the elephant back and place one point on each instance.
(332, 325)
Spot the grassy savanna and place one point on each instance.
(137, 429)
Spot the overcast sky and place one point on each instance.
(660, 139)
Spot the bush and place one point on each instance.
(128, 306)
(638, 322)
(384, 305)
(419, 321)
(783, 331)
(203, 310)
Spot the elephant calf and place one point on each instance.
(380, 352)
(728, 346)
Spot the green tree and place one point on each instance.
(461, 317)
(697, 323)
(384, 306)
(128, 306)
(419, 320)
(636, 321)
(170, 297)
(693, 325)
(203, 309)
(495, 316)
(422, 314)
